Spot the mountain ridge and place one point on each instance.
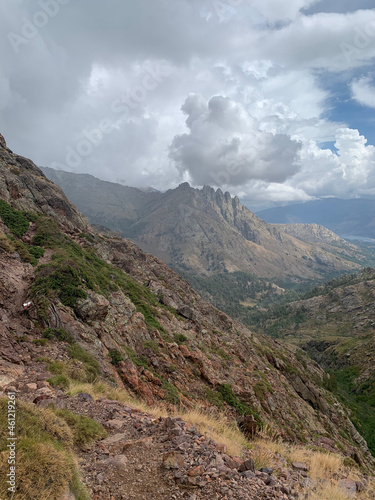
(206, 231)
(351, 217)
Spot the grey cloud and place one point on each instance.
(226, 147)
(81, 67)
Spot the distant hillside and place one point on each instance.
(200, 231)
(345, 217)
(335, 325)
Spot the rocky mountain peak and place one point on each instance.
(2, 141)
(24, 186)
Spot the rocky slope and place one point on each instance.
(103, 310)
(335, 325)
(330, 241)
(354, 217)
(200, 231)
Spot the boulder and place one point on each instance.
(93, 308)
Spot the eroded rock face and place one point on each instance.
(93, 308)
(2, 141)
(24, 186)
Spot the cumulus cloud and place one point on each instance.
(130, 66)
(363, 91)
(226, 146)
(343, 174)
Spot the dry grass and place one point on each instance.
(322, 465)
(5, 243)
(46, 466)
(327, 492)
(217, 427)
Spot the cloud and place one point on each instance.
(343, 174)
(363, 92)
(257, 108)
(329, 41)
(225, 145)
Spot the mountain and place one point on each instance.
(90, 323)
(354, 217)
(199, 231)
(330, 241)
(335, 324)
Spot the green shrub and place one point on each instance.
(36, 251)
(242, 408)
(115, 356)
(215, 398)
(59, 381)
(133, 356)
(171, 393)
(63, 278)
(41, 342)
(151, 344)
(180, 338)
(91, 365)
(16, 220)
(85, 429)
(48, 233)
(59, 334)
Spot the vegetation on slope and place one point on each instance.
(340, 340)
(46, 463)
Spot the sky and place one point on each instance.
(271, 100)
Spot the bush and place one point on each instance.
(171, 393)
(36, 251)
(41, 342)
(242, 408)
(91, 365)
(180, 338)
(151, 344)
(215, 398)
(85, 430)
(115, 356)
(64, 279)
(60, 381)
(16, 220)
(5, 244)
(59, 334)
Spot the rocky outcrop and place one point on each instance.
(2, 141)
(24, 186)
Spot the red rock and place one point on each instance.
(197, 471)
(247, 465)
(221, 448)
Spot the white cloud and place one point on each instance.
(363, 92)
(225, 145)
(329, 41)
(342, 174)
(257, 92)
